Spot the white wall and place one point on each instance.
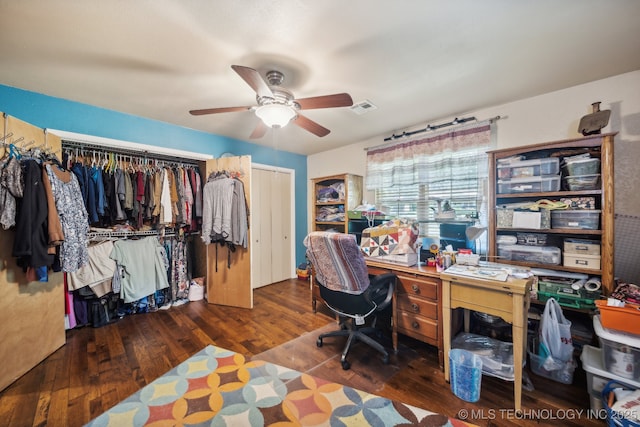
(549, 117)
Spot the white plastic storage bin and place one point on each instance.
(527, 168)
(620, 351)
(597, 375)
(576, 218)
(582, 246)
(539, 254)
(591, 262)
(535, 184)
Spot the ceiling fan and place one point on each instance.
(277, 106)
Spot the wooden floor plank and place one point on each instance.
(98, 367)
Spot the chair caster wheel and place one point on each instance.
(345, 365)
(319, 342)
(385, 359)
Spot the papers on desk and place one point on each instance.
(489, 271)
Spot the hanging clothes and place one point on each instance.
(143, 267)
(73, 217)
(31, 248)
(239, 222)
(11, 187)
(166, 211)
(187, 205)
(224, 213)
(54, 226)
(98, 270)
(216, 211)
(180, 278)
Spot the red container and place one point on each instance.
(625, 319)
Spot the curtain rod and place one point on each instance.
(430, 127)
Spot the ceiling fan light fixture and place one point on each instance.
(275, 115)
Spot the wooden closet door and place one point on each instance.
(230, 285)
(31, 312)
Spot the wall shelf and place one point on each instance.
(601, 147)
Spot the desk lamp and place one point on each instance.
(474, 232)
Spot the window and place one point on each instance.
(416, 179)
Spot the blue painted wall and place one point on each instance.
(56, 113)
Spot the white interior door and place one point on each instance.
(281, 226)
(272, 225)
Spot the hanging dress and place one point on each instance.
(73, 218)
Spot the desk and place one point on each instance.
(417, 311)
(508, 300)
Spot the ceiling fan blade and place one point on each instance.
(326, 101)
(259, 131)
(253, 79)
(311, 126)
(218, 110)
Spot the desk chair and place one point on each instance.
(347, 289)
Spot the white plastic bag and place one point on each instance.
(555, 333)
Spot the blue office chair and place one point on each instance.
(348, 290)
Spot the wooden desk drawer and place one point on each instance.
(423, 286)
(413, 324)
(415, 305)
(494, 299)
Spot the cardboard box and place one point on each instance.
(591, 262)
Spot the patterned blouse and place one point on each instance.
(73, 218)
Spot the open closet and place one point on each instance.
(32, 311)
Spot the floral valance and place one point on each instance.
(404, 163)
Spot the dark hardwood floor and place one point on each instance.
(99, 367)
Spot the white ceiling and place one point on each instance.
(416, 60)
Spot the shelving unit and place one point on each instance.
(340, 192)
(600, 146)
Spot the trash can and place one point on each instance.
(465, 370)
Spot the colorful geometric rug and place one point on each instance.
(218, 387)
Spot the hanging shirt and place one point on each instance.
(239, 221)
(143, 267)
(96, 179)
(216, 210)
(188, 199)
(166, 215)
(100, 267)
(128, 192)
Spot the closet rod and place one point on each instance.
(133, 153)
(109, 234)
